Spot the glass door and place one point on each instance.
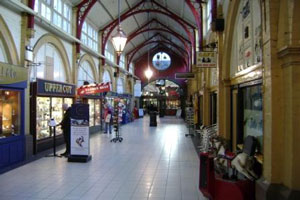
(68, 101)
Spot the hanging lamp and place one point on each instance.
(148, 72)
(119, 39)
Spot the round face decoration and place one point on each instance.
(161, 61)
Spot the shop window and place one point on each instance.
(9, 113)
(251, 114)
(91, 102)
(85, 73)
(46, 109)
(97, 112)
(106, 77)
(51, 67)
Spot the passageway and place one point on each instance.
(151, 163)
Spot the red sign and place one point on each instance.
(93, 89)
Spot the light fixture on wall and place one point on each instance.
(148, 72)
(119, 39)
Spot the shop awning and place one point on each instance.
(93, 89)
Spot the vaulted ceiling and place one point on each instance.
(151, 22)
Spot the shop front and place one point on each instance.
(13, 82)
(124, 100)
(95, 106)
(47, 98)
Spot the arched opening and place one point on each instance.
(85, 74)
(106, 77)
(120, 86)
(51, 66)
(162, 94)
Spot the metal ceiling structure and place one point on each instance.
(173, 23)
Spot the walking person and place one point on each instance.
(66, 127)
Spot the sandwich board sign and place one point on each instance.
(80, 135)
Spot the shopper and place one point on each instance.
(108, 119)
(66, 127)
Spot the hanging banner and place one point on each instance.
(206, 59)
(94, 89)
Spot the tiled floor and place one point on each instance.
(151, 163)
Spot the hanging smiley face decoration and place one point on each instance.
(161, 61)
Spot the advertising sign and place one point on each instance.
(94, 89)
(80, 136)
(50, 88)
(207, 59)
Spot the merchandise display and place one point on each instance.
(42, 117)
(47, 108)
(97, 112)
(91, 102)
(9, 113)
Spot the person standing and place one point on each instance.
(108, 120)
(66, 127)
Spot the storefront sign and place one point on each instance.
(184, 75)
(93, 89)
(206, 59)
(10, 74)
(45, 87)
(80, 136)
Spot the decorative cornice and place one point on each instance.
(288, 51)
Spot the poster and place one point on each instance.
(80, 136)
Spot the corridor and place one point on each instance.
(151, 163)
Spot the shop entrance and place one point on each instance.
(163, 95)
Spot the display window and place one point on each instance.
(97, 112)
(173, 104)
(253, 113)
(48, 108)
(9, 113)
(42, 117)
(91, 102)
(68, 101)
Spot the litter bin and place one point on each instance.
(153, 118)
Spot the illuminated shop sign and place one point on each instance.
(45, 87)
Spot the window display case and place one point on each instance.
(9, 113)
(42, 117)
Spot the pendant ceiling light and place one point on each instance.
(119, 39)
(148, 72)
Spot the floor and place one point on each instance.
(157, 163)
